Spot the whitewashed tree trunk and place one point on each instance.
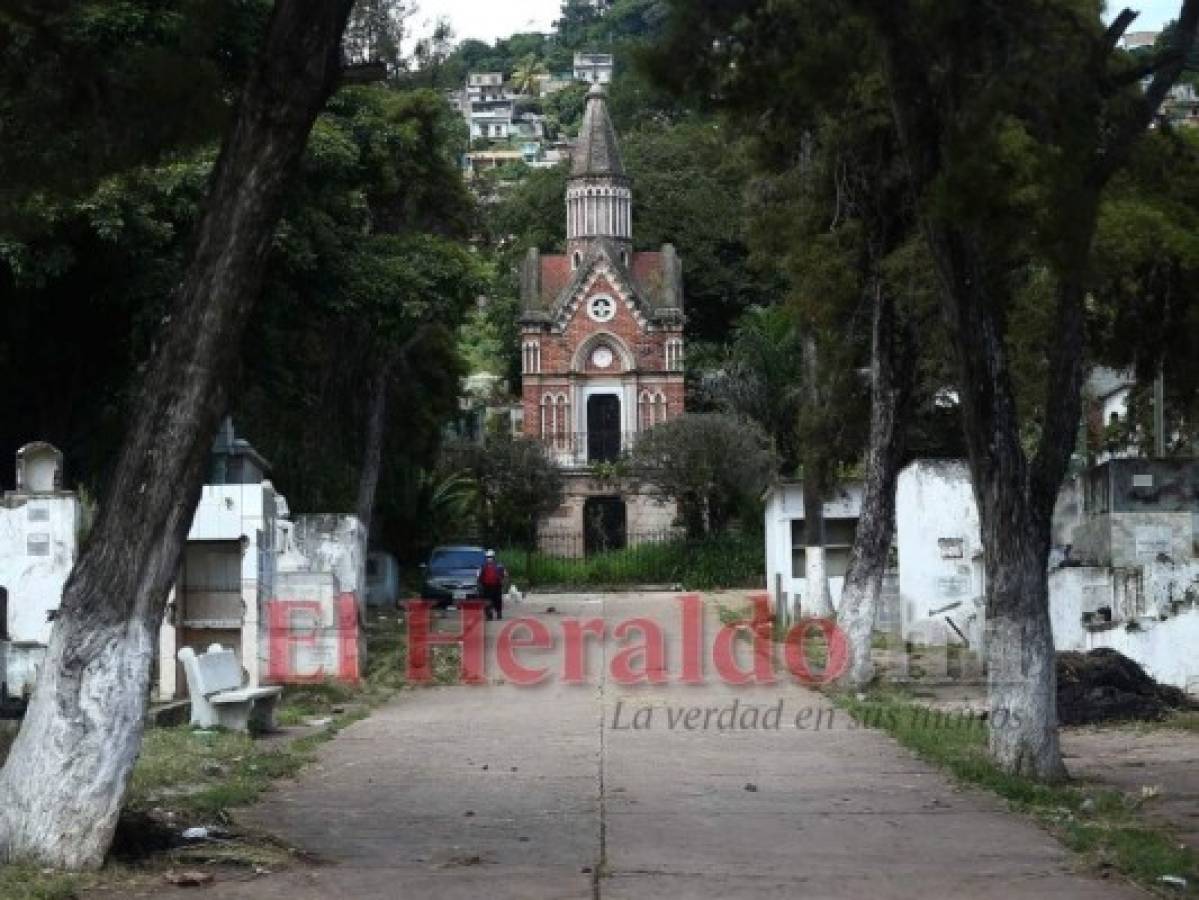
(817, 601)
(1016, 491)
(1022, 688)
(59, 804)
(892, 371)
(1021, 673)
(66, 775)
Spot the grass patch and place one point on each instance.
(815, 644)
(1106, 827)
(1186, 721)
(387, 663)
(1179, 721)
(30, 883)
(300, 703)
(204, 774)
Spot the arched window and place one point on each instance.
(576, 260)
(532, 358)
(674, 355)
(659, 408)
(548, 414)
(645, 411)
(562, 435)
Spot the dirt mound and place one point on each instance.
(1106, 686)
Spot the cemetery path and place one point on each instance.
(549, 792)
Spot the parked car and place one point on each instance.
(452, 574)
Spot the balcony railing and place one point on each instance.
(582, 449)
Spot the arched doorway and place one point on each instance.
(605, 525)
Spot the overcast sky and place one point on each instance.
(487, 20)
(1154, 13)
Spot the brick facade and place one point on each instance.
(601, 336)
(565, 361)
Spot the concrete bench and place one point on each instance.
(217, 695)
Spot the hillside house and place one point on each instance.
(594, 68)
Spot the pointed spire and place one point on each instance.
(597, 152)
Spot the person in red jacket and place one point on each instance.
(491, 585)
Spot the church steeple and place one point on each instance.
(599, 196)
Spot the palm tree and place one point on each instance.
(526, 78)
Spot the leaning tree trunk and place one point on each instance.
(68, 770)
(891, 384)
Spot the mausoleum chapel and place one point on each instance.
(602, 348)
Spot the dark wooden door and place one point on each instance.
(605, 525)
(603, 428)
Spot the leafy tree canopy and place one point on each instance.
(713, 465)
(89, 88)
(515, 484)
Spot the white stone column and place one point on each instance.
(168, 646)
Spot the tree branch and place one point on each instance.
(1138, 73)
(1119, 26)
(1116, 151)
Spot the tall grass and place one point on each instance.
(731, 561)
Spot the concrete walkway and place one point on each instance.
(502, 792)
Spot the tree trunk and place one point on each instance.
(68, 770)
(372, 460)
(816, 601)
(892, 371)
(1015, 493)
(1021, 675)
(376, 427)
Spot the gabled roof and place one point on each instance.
(597, 152)
(654, 282)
